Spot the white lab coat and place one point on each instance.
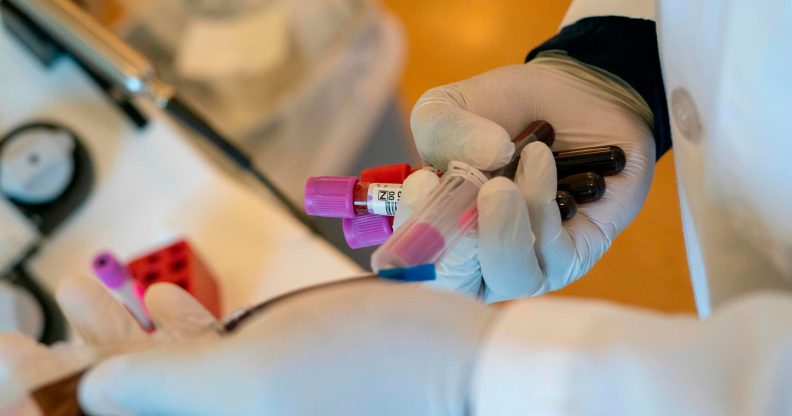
(726, 67)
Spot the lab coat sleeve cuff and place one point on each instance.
(626, 48)
(581, 9)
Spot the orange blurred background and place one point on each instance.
(452, 40)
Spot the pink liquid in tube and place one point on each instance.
(446, 215)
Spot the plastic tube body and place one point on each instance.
(448, 212)
(584, 187)
(130, 294)
(357, 198)
(567, 206)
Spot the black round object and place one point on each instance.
(603, 160)
(584, 187)
(566, 205)
(48, 216)
(55, 328)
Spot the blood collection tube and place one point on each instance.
(347, 197)
(566, 205)
(123, 287)
(584, 187)
(364, 205)
(603, 160)
(537, 131)
(369, 229)
(448, 212)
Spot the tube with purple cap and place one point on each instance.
(123, 287)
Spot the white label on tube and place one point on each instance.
(383, 198)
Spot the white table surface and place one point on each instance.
(152, 187)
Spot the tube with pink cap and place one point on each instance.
(447, 215)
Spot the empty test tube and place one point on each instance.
(603, 160)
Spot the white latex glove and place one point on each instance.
(103, 325)
(353, 348)
(522, 248)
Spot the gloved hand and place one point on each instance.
(522, 248)
(104, 327)
(353, 348)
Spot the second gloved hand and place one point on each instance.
(103, 327)
(521, 247)
(352, 348)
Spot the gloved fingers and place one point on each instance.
(18, 355)
(564, 251)
(625, 193)
(26, 364)
(22, 405)
(16, 352)
(506, 254)
(176, 313)
(536, 179)
(582, 114)
(567, 251)
(16, 348)
(414, 191)
(459, 270)
(166, 379)
(473, 120)
(584, 117)
(96, 316)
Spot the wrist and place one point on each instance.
(604, 84)
(626, 48)
(581, 9)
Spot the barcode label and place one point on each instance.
(383, 198)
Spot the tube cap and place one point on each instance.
(420, 273)
(386, 174)
(109, 270)
(366, 230)
(330, 196)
